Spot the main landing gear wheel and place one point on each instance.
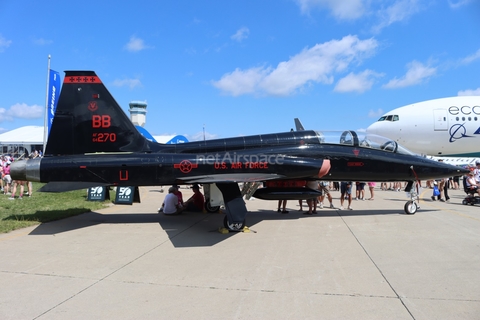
(233, 226)
(410, 207)
(210, 208)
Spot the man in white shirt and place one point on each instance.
(170, 204)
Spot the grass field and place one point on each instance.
(44, 207)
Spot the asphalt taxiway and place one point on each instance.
(128, 262)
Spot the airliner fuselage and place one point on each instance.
(441, 127)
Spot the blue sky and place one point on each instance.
(243, 67)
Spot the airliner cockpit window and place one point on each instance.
(395, 118)
(389, 118)
(382, 118)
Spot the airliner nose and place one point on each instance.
(372, 129)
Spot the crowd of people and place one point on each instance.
(440, 189)
(10, 187)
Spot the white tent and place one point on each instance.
(31, 135)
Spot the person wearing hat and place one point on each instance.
(197, 201)
(471, 183)
(170, 204)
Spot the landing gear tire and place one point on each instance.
(210, 208)
(410, 207)
(464, 202)
(233, 226)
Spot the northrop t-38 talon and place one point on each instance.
(92, 142)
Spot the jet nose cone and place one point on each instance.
(448, 170)
(428, 169)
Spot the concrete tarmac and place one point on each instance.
(128, 262)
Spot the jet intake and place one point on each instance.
(325, 168)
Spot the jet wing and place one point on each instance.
(233, 177)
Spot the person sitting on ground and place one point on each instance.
(179, 194)
(170, 204)
(197, 201)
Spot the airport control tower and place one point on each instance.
(138, 112)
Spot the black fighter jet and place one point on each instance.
(92, 142)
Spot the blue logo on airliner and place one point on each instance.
(458, 131)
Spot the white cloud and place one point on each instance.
(360, 82)
(317, 64)
(375, 113)
(416, 74)
(22, 111)
(241, 82)
(398, 11)
(4, 43)
(131, 83)
(135, 44)
(241, 34)
(469, 92)
(471, 58)
(457, 4)
(341, 9)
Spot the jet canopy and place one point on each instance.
(361, 140)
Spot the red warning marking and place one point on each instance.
(92, 106)
(355, 164)
(185, 166)
(123, 175)
(285, 183)
(356, 152)
(82, 79)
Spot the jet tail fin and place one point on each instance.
(298, 125)
(89, 120)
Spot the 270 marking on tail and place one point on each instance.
(104, 137)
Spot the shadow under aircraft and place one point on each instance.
(92, 142)
(192, 229)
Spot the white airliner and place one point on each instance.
(447, 128)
